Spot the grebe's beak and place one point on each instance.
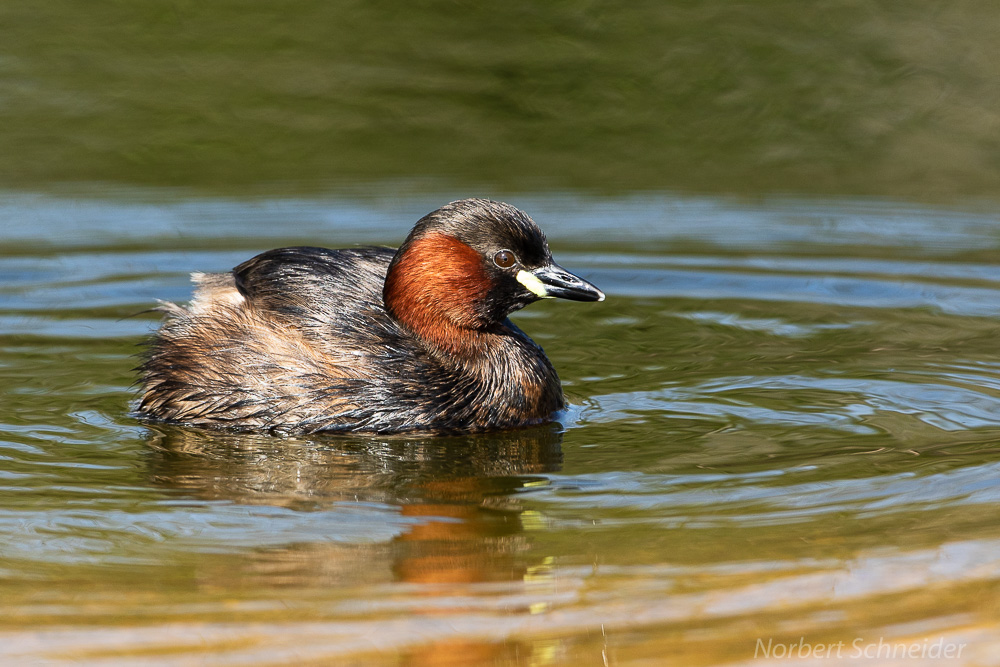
(553, 281)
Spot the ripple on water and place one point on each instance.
(837, 402)
(107, 534)
(812, 288)
(768, 497)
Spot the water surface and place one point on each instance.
(784, 423)
(838, 97)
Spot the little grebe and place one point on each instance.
(301, 340)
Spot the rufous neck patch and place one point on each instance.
(436, 288)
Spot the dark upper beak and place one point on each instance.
(556, 281)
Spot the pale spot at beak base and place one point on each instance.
(533, 284)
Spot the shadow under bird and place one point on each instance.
(371, 339)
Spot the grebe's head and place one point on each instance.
(471, 263)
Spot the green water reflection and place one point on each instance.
(834, 97)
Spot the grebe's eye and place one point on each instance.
(504, 259)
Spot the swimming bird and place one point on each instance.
(369, 339)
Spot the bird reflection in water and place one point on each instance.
(462, 518)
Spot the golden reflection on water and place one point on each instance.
(468, 525)
(461, 493)
(432, 587)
